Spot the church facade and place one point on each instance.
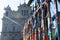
(13, 22)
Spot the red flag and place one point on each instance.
(32, 34)
(35, 34)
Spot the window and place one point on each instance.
(5, 28)
(6, 13)
(27, 11)
(10, 34)
(24, 12)
(4, 34)
(15, 34)
(13, 28)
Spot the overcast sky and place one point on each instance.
(13, 4)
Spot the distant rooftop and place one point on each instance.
(7, 8)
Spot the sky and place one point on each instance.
(14, 4)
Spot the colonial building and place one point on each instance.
(13, 22)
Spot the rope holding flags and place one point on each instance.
(38, 23)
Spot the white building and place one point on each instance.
(13, 22)
(0, 37)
